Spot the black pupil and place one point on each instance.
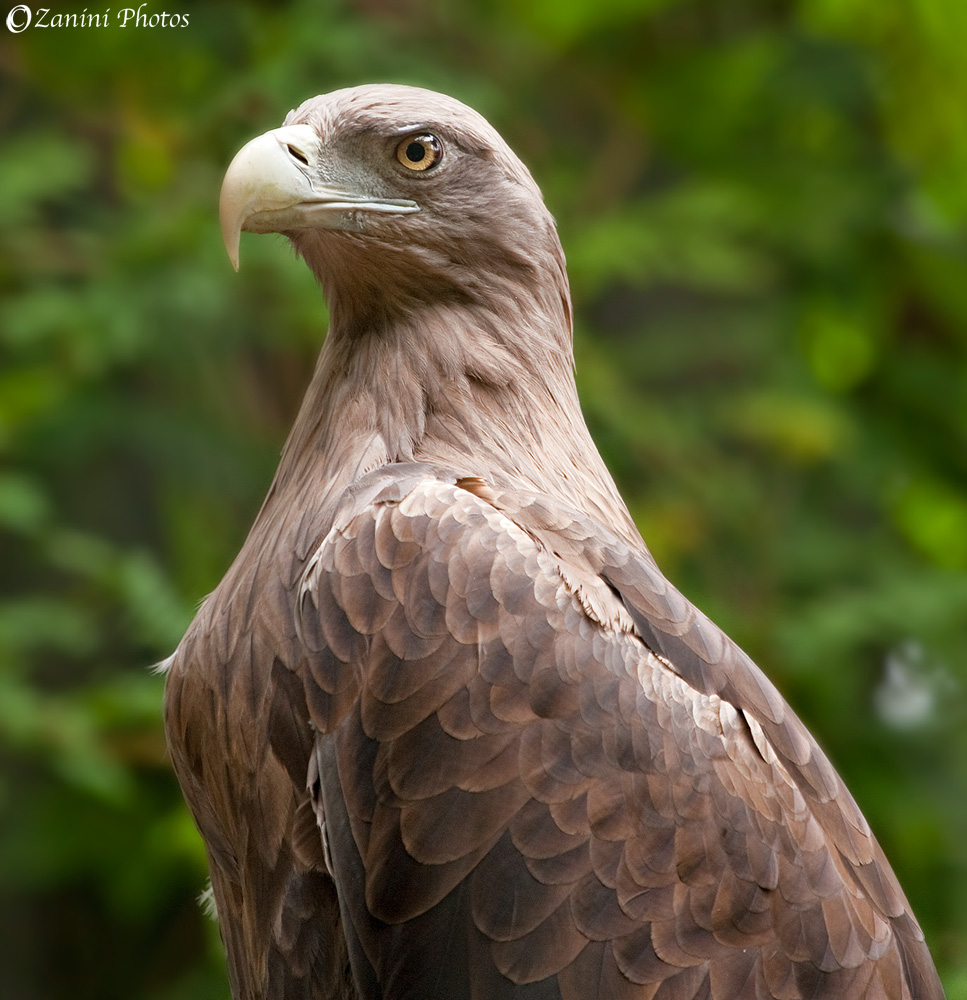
(416, 151)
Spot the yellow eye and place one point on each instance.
(419, 152)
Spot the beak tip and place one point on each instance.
(231, 226)
(232, 249)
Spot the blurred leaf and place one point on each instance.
(934, 517)
(39, 168)
(23, 503)
(802, 429)
(697, 236)
(840, 348)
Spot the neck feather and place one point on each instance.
(479, 380)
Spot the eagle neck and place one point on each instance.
(447, 384)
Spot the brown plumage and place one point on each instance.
(445, 728)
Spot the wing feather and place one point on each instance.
(545, 750)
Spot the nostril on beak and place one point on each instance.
(297, 154)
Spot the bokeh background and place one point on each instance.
(764, 207)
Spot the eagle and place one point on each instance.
(445, 728)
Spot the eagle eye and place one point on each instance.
(420, 152)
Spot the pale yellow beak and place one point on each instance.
(273, 185)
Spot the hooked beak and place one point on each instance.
(273, 186)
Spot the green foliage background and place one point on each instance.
(764, 206)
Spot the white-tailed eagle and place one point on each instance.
(444, 726)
